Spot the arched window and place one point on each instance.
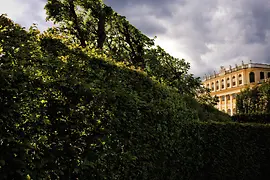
(229, 111)
(208, 86)
(233, 81)
(234, 110)
(217, 85)
(222, 84)
(228, 97)
(212, 86)
(228, 82)
(240, 79)
(251, 77)
(261, 75)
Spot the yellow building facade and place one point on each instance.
(228, 82)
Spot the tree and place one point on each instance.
(85, 19)
(96, 25)
(264, 101)
(204, 97)
(172, 71)
(254, 100)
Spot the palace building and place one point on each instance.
(228, 82)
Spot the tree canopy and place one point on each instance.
(93, 24)
(254, 100)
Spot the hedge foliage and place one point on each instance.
(222, 151)
(252, 118)
(68, 113)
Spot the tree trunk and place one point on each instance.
(101, 30)
(79, 33)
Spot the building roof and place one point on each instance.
(229, 70)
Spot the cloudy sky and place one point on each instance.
(207, 33)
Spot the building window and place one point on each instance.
(261, 75)
(228, 97)
(234, 96)
(251, 77)
(268, 75)
(240, 79)
(217, 85)
(222, 84)
(229, 111)
(233, 81)
(222, 98)
(228, 82)
(212, 87)
(208, 86)
(234, 110)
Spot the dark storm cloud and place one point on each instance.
(258, 19)
(149, 26)
(162, 8)
(144, 15)
(210, 32)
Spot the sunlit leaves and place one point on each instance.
(56, 9)
(254, 100)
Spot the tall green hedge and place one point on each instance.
(252, 118)
(222, 151)
(69, 113)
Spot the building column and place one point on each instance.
(257, 76)
(246, 79)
